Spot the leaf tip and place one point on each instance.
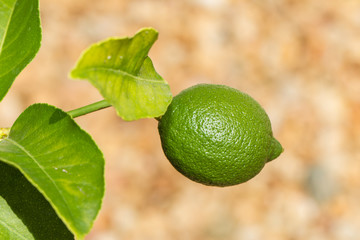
(148, 33)
(148, 30)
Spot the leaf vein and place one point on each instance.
(18, 32)
(7, 28)
(120, 72)
(42, 169)
(12, 229)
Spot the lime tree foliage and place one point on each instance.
(52, 171)
(125, 76)
(20, 37)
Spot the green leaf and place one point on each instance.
(61, 161)
(125, 76)
(24, 212)
(20, 37)
(11, 227)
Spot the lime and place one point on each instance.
(217, 135)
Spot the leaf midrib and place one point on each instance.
(7, 27)
(12, 230)
(120, 72)
(46, 174)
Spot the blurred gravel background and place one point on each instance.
(299, 59)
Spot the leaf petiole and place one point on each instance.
(89, 108)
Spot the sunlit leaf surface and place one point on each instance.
(125, 76)
(20, 37)
(61, 161)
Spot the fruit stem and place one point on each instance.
(89, 108)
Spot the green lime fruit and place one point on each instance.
(217, 135)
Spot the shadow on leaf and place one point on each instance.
(57, 116)
(30, 206)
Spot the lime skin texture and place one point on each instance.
(216, 135)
